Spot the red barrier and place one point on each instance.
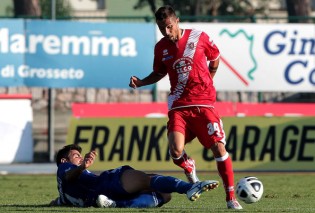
(15, 96)
(119, 110)
(225, 109)
(275, 109)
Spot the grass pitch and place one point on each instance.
(283, 192)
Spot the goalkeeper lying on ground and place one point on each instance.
(120, 187)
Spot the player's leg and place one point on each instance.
(177, 137)
(166, 197)
(143, 200)
(134, 181)
(180, 157)
(225, 169)
(169, 184)
(212, 136)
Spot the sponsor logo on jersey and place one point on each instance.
(167, 58)
(191, 45)
(165, 52)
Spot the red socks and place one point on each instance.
(225, 169)
(183, 162)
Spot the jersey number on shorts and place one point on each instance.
(215, 127)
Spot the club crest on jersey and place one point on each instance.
(165, 52)
(191, 45)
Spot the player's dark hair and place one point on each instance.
(64, 152)
(164, 12)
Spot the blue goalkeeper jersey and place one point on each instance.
(79, 192)
(84, 191)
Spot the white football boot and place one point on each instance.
(192, 176)
(104, 202)
(198, 188)
(233, 204)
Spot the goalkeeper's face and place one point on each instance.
(75, 157)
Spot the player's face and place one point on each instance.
(75, 157)
(169, 28)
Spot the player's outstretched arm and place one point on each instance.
(150, 79)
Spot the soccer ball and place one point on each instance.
(249, 189)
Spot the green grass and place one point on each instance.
(284, 192)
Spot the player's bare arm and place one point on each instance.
(85, 163)
(150, 79)
(213, 66)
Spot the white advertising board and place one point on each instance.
(261, 57)
(16, 140)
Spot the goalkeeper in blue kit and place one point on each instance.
(122, 187)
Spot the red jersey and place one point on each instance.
(186, 64)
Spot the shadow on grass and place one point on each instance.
(24, 206)
(34, 208)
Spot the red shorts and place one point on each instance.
(201, 122)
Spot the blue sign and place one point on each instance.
(60, 54)
(12, 48)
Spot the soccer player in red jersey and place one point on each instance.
(183, 55)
